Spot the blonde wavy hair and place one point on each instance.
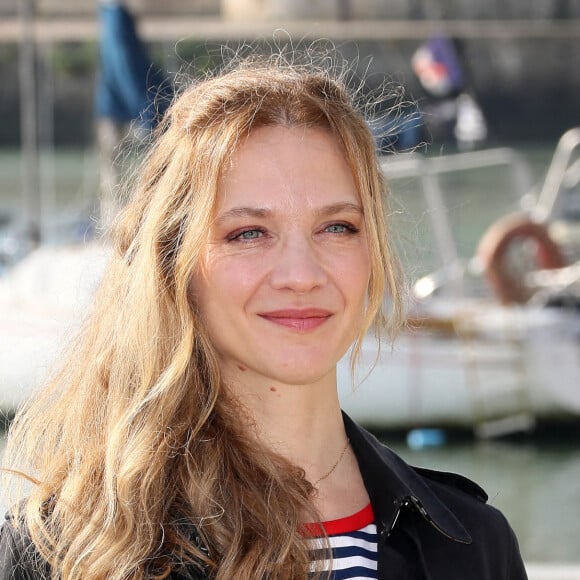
(141, 463)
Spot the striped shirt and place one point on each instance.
(353, 541)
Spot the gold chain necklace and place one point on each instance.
(334, 466)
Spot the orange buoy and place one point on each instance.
(500, 239)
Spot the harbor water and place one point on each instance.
(535, 482)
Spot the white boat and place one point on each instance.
(492, 368)
(467, 360)
(471, 361)
(42, 300)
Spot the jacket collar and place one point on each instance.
(391, 484)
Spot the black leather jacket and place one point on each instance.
(431, 525)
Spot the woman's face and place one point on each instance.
(282, 283)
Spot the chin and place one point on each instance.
(302, 372)
(308, 365)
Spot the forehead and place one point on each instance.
(287, 165)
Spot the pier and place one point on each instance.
(553, 571)
(159, 28)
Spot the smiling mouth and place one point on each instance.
(300, 320)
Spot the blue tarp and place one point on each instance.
(129, 88)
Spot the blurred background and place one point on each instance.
(477, 126)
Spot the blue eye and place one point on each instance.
(251, 234)
(336, 228)
(340, 229)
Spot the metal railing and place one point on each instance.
(429, 170)
(560, 168)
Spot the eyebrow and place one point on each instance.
(235, 212)
(339, 207)
(259, 212)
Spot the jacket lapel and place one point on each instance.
(392, 484)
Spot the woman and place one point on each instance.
(195, 429)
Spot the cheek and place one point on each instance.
(203, 289)
(354, 275)
(223, 283)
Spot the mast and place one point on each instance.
(29, 125)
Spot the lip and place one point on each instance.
(300, 319)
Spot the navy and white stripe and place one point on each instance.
(354, 554)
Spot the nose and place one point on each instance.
(298, 266)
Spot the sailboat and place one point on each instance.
(493, 343)
(44, 294)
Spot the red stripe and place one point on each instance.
(345, 525)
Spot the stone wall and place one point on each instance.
(363, 9)
(528, 88)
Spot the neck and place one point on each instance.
(303, 423)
